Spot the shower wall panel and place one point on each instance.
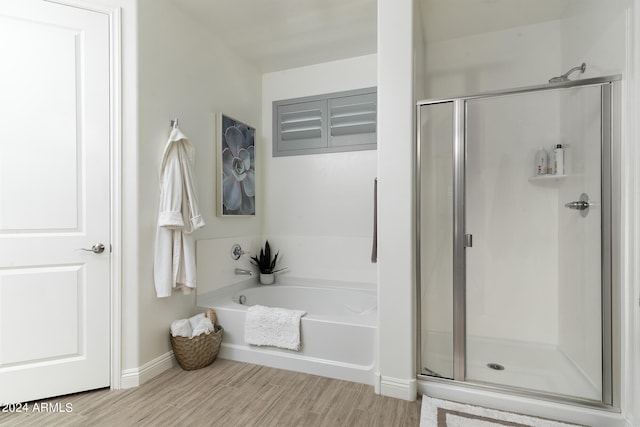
(512, 268)
(579, 290)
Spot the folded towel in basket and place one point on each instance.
(195, 320)
(271, 326)
(191, 327)
(204, 326)
(181, 328)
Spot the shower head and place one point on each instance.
(565, 76)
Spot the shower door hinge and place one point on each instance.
(468, 240)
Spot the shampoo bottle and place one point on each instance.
(542, 160)
(558, 159)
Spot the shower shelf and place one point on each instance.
(539, 178)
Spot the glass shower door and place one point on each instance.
(515, 284)
(534, 273)
(435, 250)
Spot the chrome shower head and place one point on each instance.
(565, 76)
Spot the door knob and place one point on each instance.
(581, 205)
(98, 248)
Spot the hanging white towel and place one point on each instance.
(271, 326)
(178, 217)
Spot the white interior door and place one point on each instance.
(54, 200)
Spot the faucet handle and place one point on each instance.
(236, 251)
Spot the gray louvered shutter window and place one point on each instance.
(342, 121)
(301, 126)
(353, 120)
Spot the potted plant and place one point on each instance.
(266, 264)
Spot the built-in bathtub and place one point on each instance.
(338, 332)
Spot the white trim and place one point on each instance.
(84, 4)
(399, 388)
(116, 196)
(136, 376)
(376, 383)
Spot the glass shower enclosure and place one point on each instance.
(515, 283)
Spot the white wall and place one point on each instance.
(216, 267)
(419, 69)
(184, 72)
(516, 57)
(595, 32)
(318, 209)
(396, 264)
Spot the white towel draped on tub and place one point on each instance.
(277, 327)
(178, 217)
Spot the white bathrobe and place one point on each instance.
(178, 216)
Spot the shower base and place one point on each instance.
(536, 367)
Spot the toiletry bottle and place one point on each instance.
(541, 161)
(551, 161)
(558, 159)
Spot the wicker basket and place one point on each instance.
(199, 351)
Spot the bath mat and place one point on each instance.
(445, 413)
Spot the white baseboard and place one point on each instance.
(136, 376)
(376, 383)
(399, 388)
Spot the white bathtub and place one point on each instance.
(338, 332)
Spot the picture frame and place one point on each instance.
(236, 177)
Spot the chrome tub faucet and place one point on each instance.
(243, 272)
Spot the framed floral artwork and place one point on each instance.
(236, 180)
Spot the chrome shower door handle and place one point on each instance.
(581, 205)
(98, 248)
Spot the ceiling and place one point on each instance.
(282, 34)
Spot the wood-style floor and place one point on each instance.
(226, 393)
